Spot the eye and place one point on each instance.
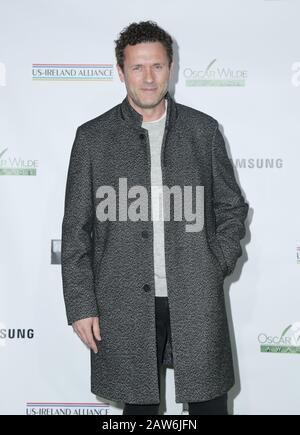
(158, 66)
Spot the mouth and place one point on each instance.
(149, 90)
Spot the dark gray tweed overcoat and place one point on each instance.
(108, 267)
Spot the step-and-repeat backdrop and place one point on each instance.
(237, 61)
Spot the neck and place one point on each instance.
(151, 114)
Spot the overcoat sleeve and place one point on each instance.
(229, 206)
(77, 238)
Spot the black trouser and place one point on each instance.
(216, 406)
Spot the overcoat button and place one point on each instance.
(142, 136)
(146, 287)
(145, 234)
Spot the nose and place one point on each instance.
(148, 77)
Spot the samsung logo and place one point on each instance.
(12, 333)
(258, 163)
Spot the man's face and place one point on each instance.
(146, 73)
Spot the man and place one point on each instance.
(144, 292)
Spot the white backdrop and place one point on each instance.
(237, 61)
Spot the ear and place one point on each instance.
(120, 72)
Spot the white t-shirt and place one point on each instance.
(156, 131)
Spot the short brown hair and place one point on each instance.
(144, 31)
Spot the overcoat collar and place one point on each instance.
(130, 115)
(135, 119)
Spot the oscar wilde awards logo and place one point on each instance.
(214, 75)
(286, 342)
(16, 165)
